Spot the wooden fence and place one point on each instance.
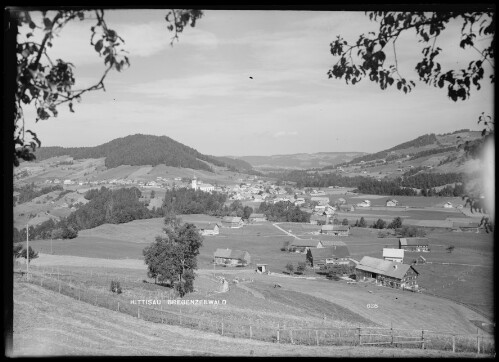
(318, 336)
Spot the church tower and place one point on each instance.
(194, 183)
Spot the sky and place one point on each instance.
(199, 91)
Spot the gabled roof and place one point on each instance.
(339, 251)
(413, 241)
(384, 267)
(393, 253)
(464, 224)
(335, 227)
(257, 216)
(311, 243)
(205, 225)
(231, 219)
(230, 254)
(330, 243)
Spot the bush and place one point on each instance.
(115, 287)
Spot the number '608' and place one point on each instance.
(372, 306)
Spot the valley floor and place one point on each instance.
(50, 324)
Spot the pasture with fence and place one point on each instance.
(95, 290)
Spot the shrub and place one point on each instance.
(115, 287)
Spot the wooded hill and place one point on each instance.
(139, 150)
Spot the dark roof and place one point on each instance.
(230, 254)
(464, 224)
(257, 216)
(311, 243)
(384, 267)
(339, 251)
(231, 219)
(330, 243)
(413, 241)
(335, 227)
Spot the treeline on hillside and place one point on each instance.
(375, 187)
(432, 151)
(368, 185)
(138, 150)
(190, 201)
(424, 140)
(283, 211)
(30, 191)
(426, 180)
(104, 206)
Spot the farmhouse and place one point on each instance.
(346, 208)
(396, 255)
(392, 202)
(365, 203)
(337, 254)
(207, 228)
(302, 246)
(320, 200)
(387, 273)
(329, 243)
(229, 257)
(258, 218)
(465, 226)
(232, 222)
(337, 230)
(414, 244)
(318, 219)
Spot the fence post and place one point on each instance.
(391, 332)
(291, 336)
(359, 337)
(180, 316)
(138, 311)
(477, 342)
(251, 332)
(317, 336)
(59, 286)
(278, 331)
(453, 343)
(422, 338)
(118, 306)
(222, 327)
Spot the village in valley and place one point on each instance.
(323, 228)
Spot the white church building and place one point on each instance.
(201, 186)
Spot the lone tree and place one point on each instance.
(396, 223)
(450, 249)
(172, 258)
(45, 83)
(362, 222)
(290, 268)
(301, 267)
(32, 254)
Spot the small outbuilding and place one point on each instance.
(396, 255)
(336, 230)
(414, 244)
(229, 257)
(232, 222)
(324, 256)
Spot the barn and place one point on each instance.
(258, 218)
(302, 246)
(232, 222)
(391, 254)
(206, 228)
(387, 273)
(329, 243)
(414, 244)
(229, 257)
(336, 230)
(324, 256)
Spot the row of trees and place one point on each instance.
(29, 192)
(283, 211)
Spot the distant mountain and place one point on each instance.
(300, 160)
(138, 150)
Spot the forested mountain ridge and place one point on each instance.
(138, 150)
